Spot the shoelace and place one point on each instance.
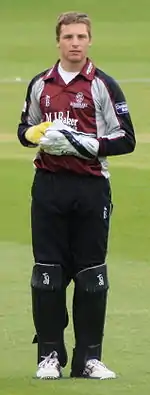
(50, 359)
(95, 362)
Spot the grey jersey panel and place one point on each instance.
(106, 119)
(34, 112)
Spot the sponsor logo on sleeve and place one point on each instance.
(121, 108)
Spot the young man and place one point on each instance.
(78, 116)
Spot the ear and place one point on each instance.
(57, 43)
(90, 41)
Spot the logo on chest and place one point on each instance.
(65, 117)
(47, 101)
(79, 101)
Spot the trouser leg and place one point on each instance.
(89, 246)
(50, 277)
(89, 308)
(49, 309)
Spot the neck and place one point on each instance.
(73, 67)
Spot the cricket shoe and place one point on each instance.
(49, 368)
(94, 369)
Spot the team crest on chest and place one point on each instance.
(79, 101)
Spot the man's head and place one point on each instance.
(73, 35)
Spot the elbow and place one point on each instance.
(131, 144)
(130, 141)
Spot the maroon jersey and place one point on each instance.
(92, 103)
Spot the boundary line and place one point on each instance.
(20, 80)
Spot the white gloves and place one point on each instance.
(60, 139)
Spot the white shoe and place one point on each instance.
(49, 368)
(97, 370)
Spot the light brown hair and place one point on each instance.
(67, 18)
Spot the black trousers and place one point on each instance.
(70, 225)
(70, 220)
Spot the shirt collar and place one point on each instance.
(87, 72)
(51, 73)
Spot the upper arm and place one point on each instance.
(111, 110)
(31, 113)
(114, 107)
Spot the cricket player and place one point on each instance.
(77, 116)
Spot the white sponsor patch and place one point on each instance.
(121, 108)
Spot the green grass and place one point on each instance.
(121, 40)
(125, 349)
(126, 337)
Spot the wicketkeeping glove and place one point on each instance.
(34, 133)
(60, 139)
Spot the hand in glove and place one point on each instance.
(60, 139)
(34, 133)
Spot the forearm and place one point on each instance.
(22, 128)
(118, 143)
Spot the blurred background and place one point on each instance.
(121, 47)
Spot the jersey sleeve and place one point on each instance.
(31, 113)
(119, 136)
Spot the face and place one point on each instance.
(74, 42)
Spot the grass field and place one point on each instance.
(121, 42)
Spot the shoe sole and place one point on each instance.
(93, 378)
(50, 378)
